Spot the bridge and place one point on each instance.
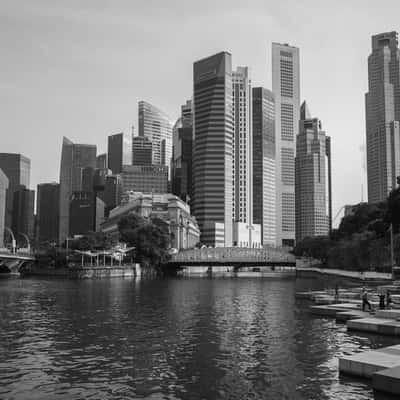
(13, 263)
(237, 257)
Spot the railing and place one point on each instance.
(234, 254)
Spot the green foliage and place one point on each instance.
(150, 237)
(93, 241)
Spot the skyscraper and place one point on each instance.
(23, 214)
(119, 152)
(17, 168)
(48, 211)
(311, 178)
(145, 178)
(382, 109)
(286, 89)
(182, 153)
(101, 161)
(242, 150)
(155, 125)
(142, 151)
(264, 155)
(3, 192)
(74, 158)
(212, 156)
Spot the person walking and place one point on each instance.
(388, 299)
(365, 302)
(381, 300)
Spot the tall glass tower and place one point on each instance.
(156, 126)
(264, 154)
(382, 109)
(74, 159)
(212, 156)
(286, 89)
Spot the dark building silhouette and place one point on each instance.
(264, 155)
(142, 151)
(74, 159)
(119, 152)
(182, 144)
(3, 193)
(101, 161)
(17, 168)
(48, 211)
(23, 214)
(112, 193)
(212, 154)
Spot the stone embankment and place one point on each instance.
(381, 366)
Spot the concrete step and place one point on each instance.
(387, 380)
(343, 316)
(366, 364)
(390, 314)
(331, 309)
(381, 326)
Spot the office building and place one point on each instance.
(23, 215)
(382, 109)
(286, 90)
(156, 126)
(17, 168)
(3, 194)
(48, 212)
(212, 155)
(242, 150)
(112, 193)
(182, 154)
(101, 161)
(145, 178)
(142, 151)
(264, 155)
(183, 227)
(311, 178)
(74, 159)
(119, 152)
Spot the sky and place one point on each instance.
(78, 68)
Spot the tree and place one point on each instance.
(149, 237)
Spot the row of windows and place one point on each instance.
(287, 166)
(287, 121)
(288, 212)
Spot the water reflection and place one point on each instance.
(170, 339)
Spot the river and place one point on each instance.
(171, 339)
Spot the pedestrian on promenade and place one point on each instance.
(388, 299)
(337, 292)
(381, 300)
(365, 302)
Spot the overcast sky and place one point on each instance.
(78, 67)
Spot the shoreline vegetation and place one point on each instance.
(362, 241)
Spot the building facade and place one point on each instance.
(242, 151)
(23, 215)
(101, 161)
(264, 160)
(156, 126)
(74, 158)
(145, 178)
(142, 151)
(182, 226)
(48, 212)
(286, 89)
(119, 152)
(3, 195)
(382, 109)
(182, 154)
(311, 178)
(212, 155)
(17, 168)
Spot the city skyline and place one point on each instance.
(89, 101)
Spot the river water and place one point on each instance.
(171, 339)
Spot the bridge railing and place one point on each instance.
(237, 254)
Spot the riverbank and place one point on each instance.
(84, 272)
(355, 276)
